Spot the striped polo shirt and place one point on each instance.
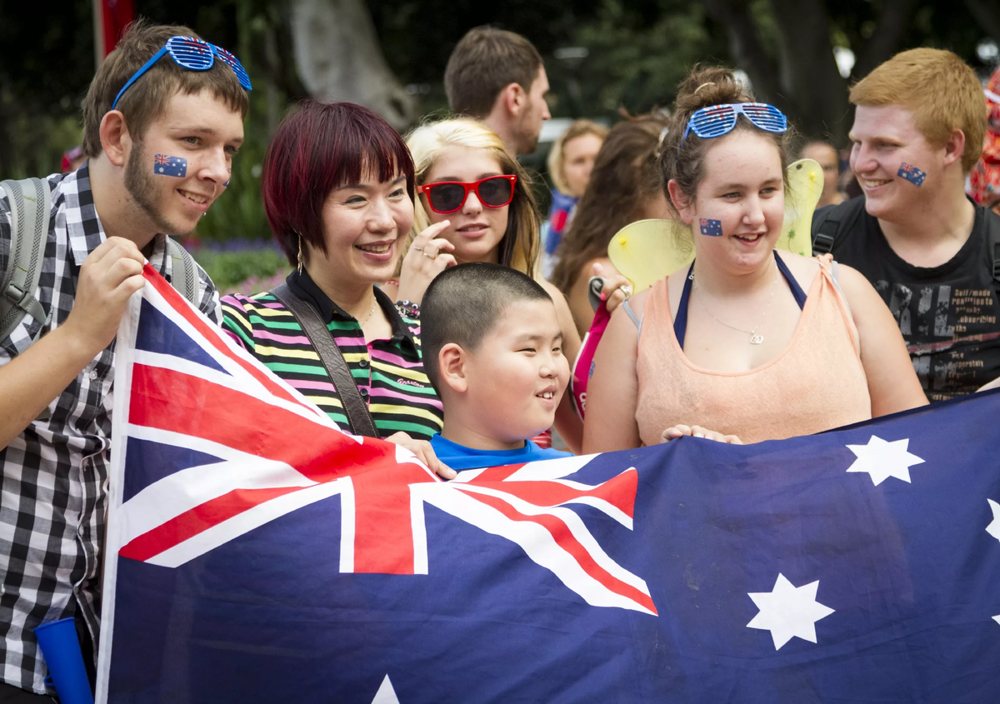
(389, 372)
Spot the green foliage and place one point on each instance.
(231, 269)
(631, 63)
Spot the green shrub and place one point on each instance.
(230, 269)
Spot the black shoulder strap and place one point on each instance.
(832, 223)
(993, 246)
(358, 416)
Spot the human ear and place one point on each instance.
(514, 98)
(451, 367)
(954, 148)
(682, 204)
(115, 138)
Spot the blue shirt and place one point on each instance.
(461, 457)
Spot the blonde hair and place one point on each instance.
(940, 90)
(557, 157)
(520, 245)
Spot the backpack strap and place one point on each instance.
(355, 408)
(993, 247)
(830, 224)
(30, 208)
(185, 272)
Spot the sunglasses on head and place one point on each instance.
(449, 196)
(717, 120)
(194, 55)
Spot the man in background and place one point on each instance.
(497, 77)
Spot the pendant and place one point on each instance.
(756, 339)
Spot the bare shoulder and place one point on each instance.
(551, 289)
(638, 302)
(804, 269)
(854, 284)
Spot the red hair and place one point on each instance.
(317, 149)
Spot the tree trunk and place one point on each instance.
(892, 24)
(339, 59)
(987, 14)
(808, 70)
(745, 46)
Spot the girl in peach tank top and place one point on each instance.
(817, 383)
(764, 360)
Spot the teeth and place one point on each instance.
(546, 394)
(195, 197)
(748, 238)
(375, 248)
(873, 184)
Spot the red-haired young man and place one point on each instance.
(926, 247)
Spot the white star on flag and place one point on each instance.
(994, 527)
(997, 619)
(385, 694)
(788, 611)
(883, 459)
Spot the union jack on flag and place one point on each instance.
(257, 553)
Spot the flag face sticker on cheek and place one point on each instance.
(230, 172)
(712, 228)
(164, 165)
(912, 174)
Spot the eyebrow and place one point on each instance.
(738, 186)
(204, 130)
(363, 186)
(480, 177)
(527, 337)
(877, 139)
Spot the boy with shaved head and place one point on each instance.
(492, 347)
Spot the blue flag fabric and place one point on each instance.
(860, 565)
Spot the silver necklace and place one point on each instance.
(373, 313)
(755, 338)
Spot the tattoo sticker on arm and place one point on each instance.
(164, 165)
(712, 228)
(912, 174)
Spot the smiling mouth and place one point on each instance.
(193, 197)
(869, 183)
(375, 248)
(548, 394)
(750, 238)
(474, 227)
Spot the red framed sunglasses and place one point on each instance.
(449, 196)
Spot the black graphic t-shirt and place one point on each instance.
(948, 314)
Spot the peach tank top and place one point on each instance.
(817, 383)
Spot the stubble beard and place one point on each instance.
(141, 189)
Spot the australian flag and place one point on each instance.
(710, 227)
(164, 165)
(256, 553)
(912, 174)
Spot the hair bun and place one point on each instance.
(710, 86)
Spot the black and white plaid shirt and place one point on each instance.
(53, 494)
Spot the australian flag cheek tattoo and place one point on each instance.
(164, 165)
(912, 174)
(712, 228)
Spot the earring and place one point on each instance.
(301, 265)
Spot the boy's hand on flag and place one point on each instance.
(424, 452)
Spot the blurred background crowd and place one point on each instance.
(605, 60)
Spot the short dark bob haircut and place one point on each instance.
(316, 149)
